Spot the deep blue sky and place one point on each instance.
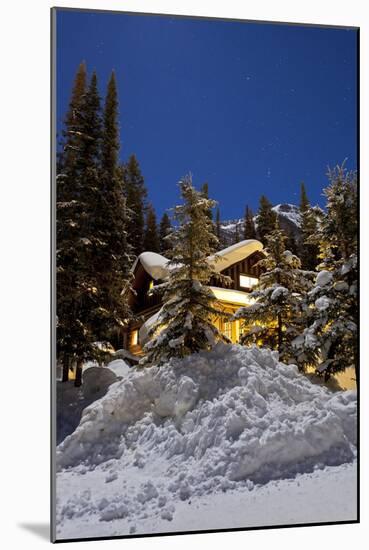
(250, 108)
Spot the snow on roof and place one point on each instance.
(235, 253)
(156, 265)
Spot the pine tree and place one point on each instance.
(76, 189)
(307, 250)
(217, 224)
(112, 253)
(205, 192)
(274, 319)
(151, 238)
(249, 226)
(136, 195)
(330, 341)
(73, 122)
(236, 236)
(164, 231)
(92, 253)
(189, 305)
(266, 218)
(218, 231)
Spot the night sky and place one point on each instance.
(249, 108)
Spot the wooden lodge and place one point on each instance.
(238, 262)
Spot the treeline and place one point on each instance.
(103, 221)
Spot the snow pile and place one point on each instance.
(231, 420)
(71, 401)
(214, 418)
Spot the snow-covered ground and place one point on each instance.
(230, 438)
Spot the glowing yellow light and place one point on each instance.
(232, 296)
(248, 282)
(134, 337)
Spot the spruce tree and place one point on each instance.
(266, 218)
(92, 253)
(164, 232)
(236, 236)
(71, 133)
(218, 230)
(136, 195)
(330, 341)
(112, 253)
(77, 185)
(307, 250)
(189, 306)
(249, 226)
(205, 192)
(151, 238)
(275, 318)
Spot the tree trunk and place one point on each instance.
(78, 379)
(65, 376)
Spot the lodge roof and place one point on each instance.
(156, 265)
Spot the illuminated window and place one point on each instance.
(134, 337)
(151, 284)
(248, 282)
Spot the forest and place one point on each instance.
(304, 307)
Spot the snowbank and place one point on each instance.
(234, 413)
(216, 421)
(71, 400)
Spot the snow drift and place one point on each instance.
(232, 414)
(195, 428)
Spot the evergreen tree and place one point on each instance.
(71, 134)
(217, 225)
(307, 250)
(205, 192)
(236, 236)
(164, 231)
(92, 253)
(275, 318)
(136, 195)
(189, 305)
(77, 185)
(266, 218)
(218, 231)
(249, 226)
(112, 254)
(110, 141)
(151, 238)
(330, 341)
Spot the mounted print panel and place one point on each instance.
(205, 305)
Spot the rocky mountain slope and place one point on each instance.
(288, 217)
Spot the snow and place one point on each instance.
(155, 264)
(324, 278)
(71, 400)
(322, 303)
(143, 334)
(289, 211)
(119, 367)
(279, 292)
(211, 440)
(235, 253)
